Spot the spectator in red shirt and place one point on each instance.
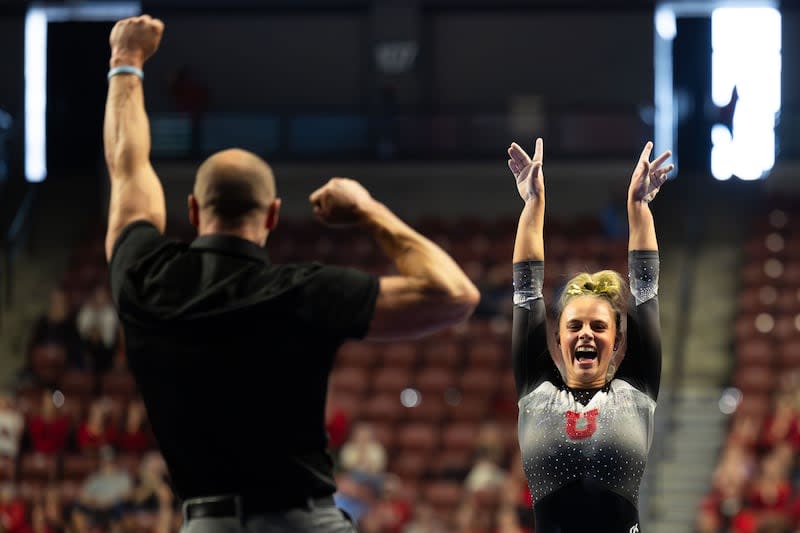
(49, 428)
(38, 522)
(135, 437)
(96, 431)
(771, 491)
(337, 424)
(54, 508)
(744, 432)
(782, 424)
(13, 511)
(392, 511)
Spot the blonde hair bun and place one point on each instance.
(607, 284)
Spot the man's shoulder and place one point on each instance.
(139, 240)
(316, 275)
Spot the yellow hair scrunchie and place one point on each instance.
(599, 289)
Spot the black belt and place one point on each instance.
(240, 506)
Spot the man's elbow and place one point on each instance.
(473, 297)
(124, 160)
(466, 300)
(117, 164)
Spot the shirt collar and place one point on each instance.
(230, 245)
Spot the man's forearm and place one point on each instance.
(417, 256)
(126, 129)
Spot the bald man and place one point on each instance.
(233, 189)
(231, 353)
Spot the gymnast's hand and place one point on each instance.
(648, 176)
(135, 39)
(528, 172)
(341, 202)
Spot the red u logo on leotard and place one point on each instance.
(581, 426)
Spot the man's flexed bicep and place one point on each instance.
(411, 307)
(136, 192)
(430, 291)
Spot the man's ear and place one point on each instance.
(273, 211)
(194, 211)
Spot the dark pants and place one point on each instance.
(311, 518)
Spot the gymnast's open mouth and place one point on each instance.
(585, 353)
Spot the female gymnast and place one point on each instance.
(584, 429)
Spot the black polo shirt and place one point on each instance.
(231, 355)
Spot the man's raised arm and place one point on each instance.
(431, 290)
(136, 192)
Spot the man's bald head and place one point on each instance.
(233, 184)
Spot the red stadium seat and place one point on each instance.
(77, 466)
(129, 462)
(431, 408)
(410, 465)
(460, 436)
(755, 379)
(753, 275)
(478, 381)
(469, 408)
(435, 381)
(745, 328)
(70, 490)
(791, 276)
(786, 328)
(32, 490)
(357, 354)
(757, 352)
(789, 301)
(391, 380)
(789, 354)
(750, 301)
(79, 383)
(418, 436)
(349, 380)
(443, 496)
(444, 353)
(385, 433)
(384, 407)
(8, 470)
(487, 354)
(401, 355)
(756, 404)
(452, 464)
(38, 467)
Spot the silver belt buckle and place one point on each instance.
(237, 503)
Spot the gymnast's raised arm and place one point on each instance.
(642, 363)
(530, 357)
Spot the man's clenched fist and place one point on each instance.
(135, 39)
(341, 202)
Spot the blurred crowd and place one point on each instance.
(77, 454)
(756, 483)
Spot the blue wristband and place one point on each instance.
(126, 69)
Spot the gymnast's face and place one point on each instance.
(587, 338)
